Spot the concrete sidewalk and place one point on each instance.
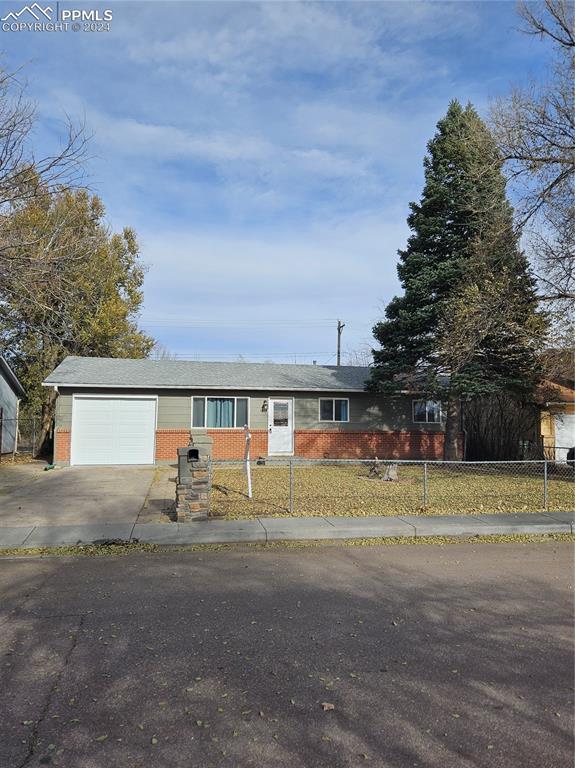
(289, 529)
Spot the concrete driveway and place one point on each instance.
(83, 495)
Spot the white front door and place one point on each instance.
(564, 435)
(280, 426)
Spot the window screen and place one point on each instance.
(241, 411)
(198, 412)
(326, 410)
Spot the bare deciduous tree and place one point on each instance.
(535, 131)
(160, 352)
(26, 177)
(362, 356)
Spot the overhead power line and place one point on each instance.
(246, 355)
(186, 322)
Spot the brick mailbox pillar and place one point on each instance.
(193, 488)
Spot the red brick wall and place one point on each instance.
(231, 443)
(228, 443)
(168, 441)
(62, 445)
(313, 444)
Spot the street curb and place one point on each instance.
(289, 529)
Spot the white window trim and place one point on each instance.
(332, 421)
(426, 420)
(218, 397)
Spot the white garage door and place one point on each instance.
(108, 430)
(564, 435)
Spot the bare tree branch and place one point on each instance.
(535, 131)
(27, 178)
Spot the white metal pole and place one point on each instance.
(247, 460)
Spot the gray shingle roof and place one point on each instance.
(9, 376)
(183, 374)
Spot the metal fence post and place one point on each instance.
(291, 486)
(424, 484)
(545, 487)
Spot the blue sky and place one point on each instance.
(266, 153)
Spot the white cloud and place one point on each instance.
(238, 48)
(343, 267)
(266, 153)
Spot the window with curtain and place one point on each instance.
(426, 412)
(334, 409)
(220, 412)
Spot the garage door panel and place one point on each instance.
(113, 430)
(564, 435)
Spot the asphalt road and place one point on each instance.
(431, 656)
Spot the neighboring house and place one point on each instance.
(11, 392)
(114, 411)
(557, 401)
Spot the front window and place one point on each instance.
(333, 409)
(220, 412)
(426, 412)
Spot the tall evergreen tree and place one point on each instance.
(467, 323)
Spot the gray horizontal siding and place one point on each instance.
(9, 406)
(367, 412)
(64, 412)
(174, 412)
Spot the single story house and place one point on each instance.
(557, 402)
(115, 411)
(11, 392)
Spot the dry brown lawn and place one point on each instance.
(346, 489)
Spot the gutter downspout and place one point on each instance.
(16, 431)
(55, 438)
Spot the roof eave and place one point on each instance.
(11, 378)
(75, 385)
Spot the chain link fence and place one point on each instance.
(19, 437)
(368, 487)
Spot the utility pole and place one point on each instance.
(340, 327)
